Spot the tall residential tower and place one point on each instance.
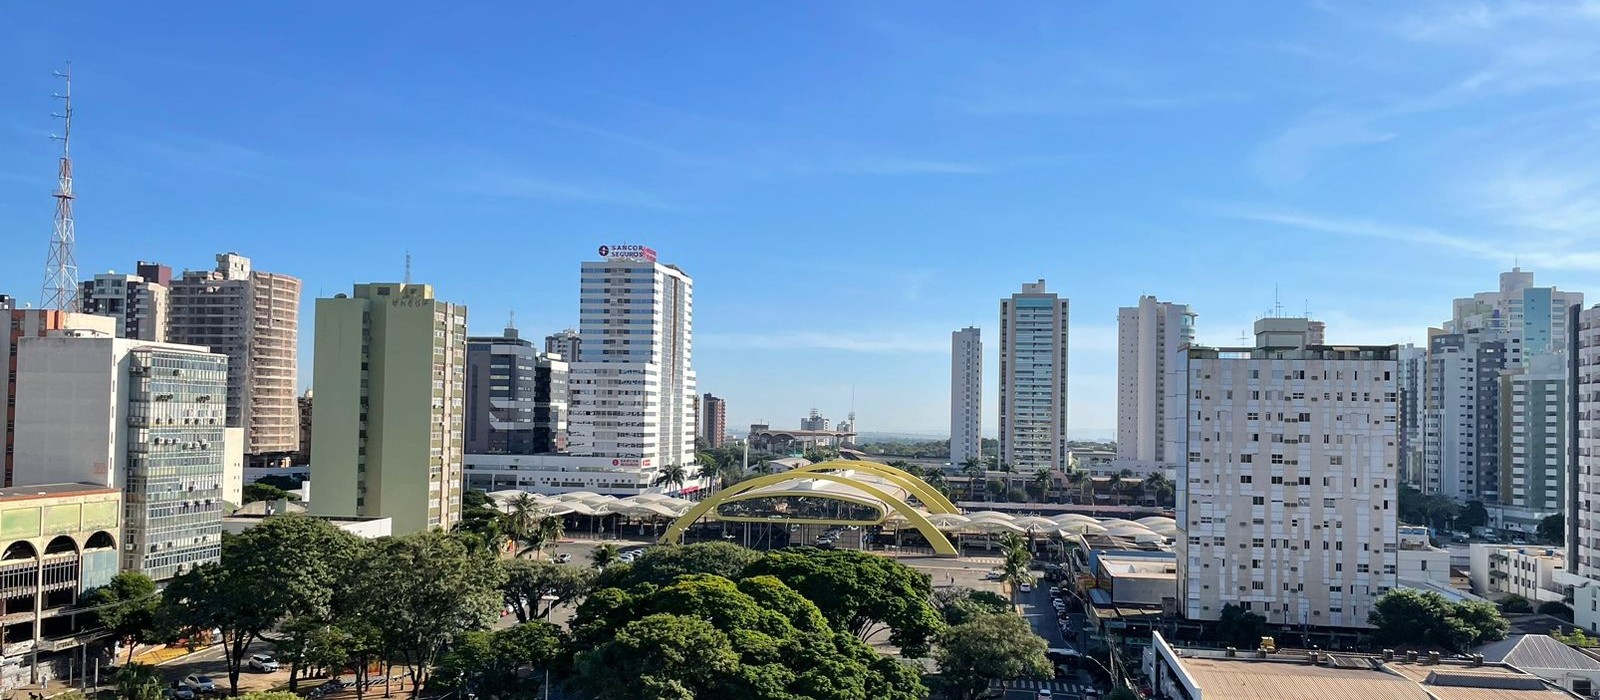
(1033, 379)
(1149, 337)
(389, 380)
(966, 395)
(253, 317)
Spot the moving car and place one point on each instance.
(563, 558)
(200, 683)
(178, 692)
(263, 663)
(1044, 694)
(1026, 587)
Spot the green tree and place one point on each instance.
(495, 664)
(1014, 561)
(1121, 693)
(423, 590)
(1408, 616)
(660, 565)
(1474, 514)
(1160, 489)
(252, 589)
(534, 588)
(673, 476)
(1553, 530)
(282, 481)
(604, 555)
(1240, 628)
(1516, 604)
(989, 648)
(266, 492)
(707, 638)
(860, 593)
(139, 682)
(482, 519)
(1042, 481)
(1556, 608)
(961, 605)
(127, 606)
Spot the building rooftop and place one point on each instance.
(1538, 651)
(18, 493)
(1313, 675)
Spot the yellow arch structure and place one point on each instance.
(930, 497)
(941, 545)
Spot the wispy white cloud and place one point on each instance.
(1289, 156)
(1553, 252)
(844, 340)
(548, 189)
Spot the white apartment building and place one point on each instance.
(141, 416)
(966, 395)
(1149, 337)
(140, 303)
(633, 384)
(1033, 379)
(1488, 335)
(1536, 573)
(31, 323)
(1287, 496)
(1583, 522)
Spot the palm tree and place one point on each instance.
(1159, 488)
(1042, 480)
(551, 529)
(1075, 479)
(975, 473)
(1014, 562)
(521, 518)
(604, 555)
(673, 475)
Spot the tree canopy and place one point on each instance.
(492, 664)
(705, 637)
(860, 593)
(1553, 530)
(988, 648)
(1407, 616)
(128, 606)
(1240, 628)
(660, 565)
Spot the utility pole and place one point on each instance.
(61, 267)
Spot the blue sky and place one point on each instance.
(846, 182)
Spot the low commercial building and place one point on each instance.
(1541, 655)
(1211, 674)
(1535, 573)
(57, 541)
(251, 515)
(556, 474)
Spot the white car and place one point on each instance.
(1044, 694)
(1026, 588)
(200, 683)
(263, 663)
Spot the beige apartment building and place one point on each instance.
(1287, 495)
(253, 317)
(388, 432)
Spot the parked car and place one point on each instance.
(563, 558)
(200, 683)
(1026, 587)
(1044, 694)
(178, 692)
(263, 663)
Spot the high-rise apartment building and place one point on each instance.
(1287, 495)
(144, 417)
(140, 303)
(31, 323)
(1583, 400)
(566, 344)
(633, 385)
(1149, 337)
(966, 395)
(713, 420)
(516, 397)
(1412, 371)
(1489, 334)
(1533, 444)
(1033, 379)
(389, 376)
(253, 317)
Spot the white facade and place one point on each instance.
(966, 395)
(1583, 538)
(1533, 430)
(1535, 573)
(139, 306)
(233, 465)
(1033, 379)
(1287, 497)
(558, 474)
(1148, 339)
(144, 417)
(633, 386)
(1412, 373)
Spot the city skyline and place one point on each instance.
(960, 159)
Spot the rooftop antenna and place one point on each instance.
(61, 267)
(1277, 303)
(512, 321)
(408, 267)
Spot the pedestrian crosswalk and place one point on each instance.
(1030, 684)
